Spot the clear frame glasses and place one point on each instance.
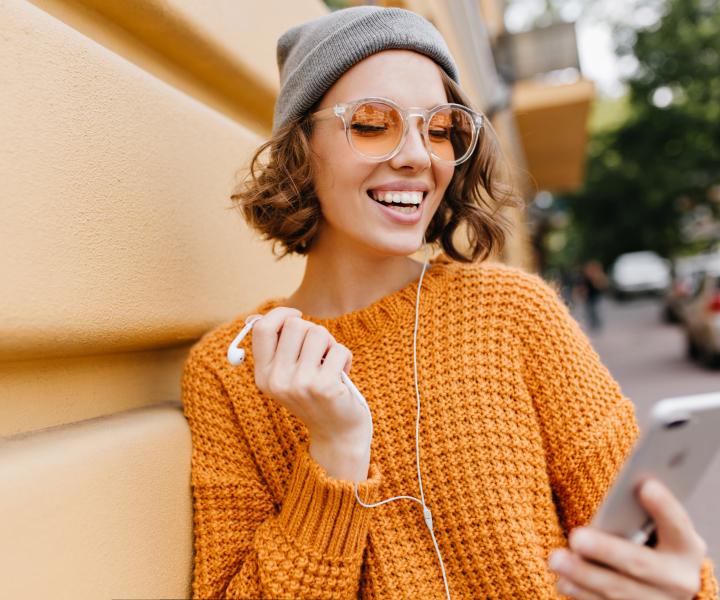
(376, 128)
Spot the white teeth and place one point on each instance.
(404, 197)
(405, 209)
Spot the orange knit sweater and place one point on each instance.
(522, 431)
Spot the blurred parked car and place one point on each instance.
(701, 315)
(637, 273)
(687, 274)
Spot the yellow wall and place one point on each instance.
(116, 177)
(123, 126)
(552, 122)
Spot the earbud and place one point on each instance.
(235, 354)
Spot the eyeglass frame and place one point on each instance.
(343, 110)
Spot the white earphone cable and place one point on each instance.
(427, 515)
(236, 355)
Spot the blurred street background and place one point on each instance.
(635, 247)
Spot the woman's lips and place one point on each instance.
(410, 214)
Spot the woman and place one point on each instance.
(522, 429)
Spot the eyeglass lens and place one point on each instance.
(376, 130)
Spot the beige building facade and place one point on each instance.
(123, 124)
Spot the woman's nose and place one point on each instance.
(413, 152)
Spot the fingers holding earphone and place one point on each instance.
(338, 358)
(299, 364)
(315, 346)
(265, 334)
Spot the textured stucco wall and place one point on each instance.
(116, 193)
(121, 134)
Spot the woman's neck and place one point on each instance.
(336, 283)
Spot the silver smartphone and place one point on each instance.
(679, 443)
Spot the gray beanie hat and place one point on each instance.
(312, 56)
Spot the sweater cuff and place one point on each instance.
(708, 583)
(322, 512)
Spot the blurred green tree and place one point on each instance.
(647, 177)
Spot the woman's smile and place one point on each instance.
(401, 201)
(404, 214)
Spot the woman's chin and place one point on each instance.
(399, 247)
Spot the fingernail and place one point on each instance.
(652, 489)
(557, 560)
(581, 539)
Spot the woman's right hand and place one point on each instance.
(298, 363)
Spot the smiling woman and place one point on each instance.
(280, 200)
(376, 153)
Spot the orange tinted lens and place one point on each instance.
(450, 132)
(375, 129)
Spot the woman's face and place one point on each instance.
(349, 186)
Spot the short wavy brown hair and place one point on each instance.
(277, 196)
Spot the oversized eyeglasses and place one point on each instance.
(376, 128)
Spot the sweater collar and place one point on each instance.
(367, 322)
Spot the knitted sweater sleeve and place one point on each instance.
(245, 544)
(588, 426)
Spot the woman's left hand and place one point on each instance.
(599, 565)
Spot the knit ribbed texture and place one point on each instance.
(522, 432)
(311, 492)
(312, 56)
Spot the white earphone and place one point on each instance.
(236, 355)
